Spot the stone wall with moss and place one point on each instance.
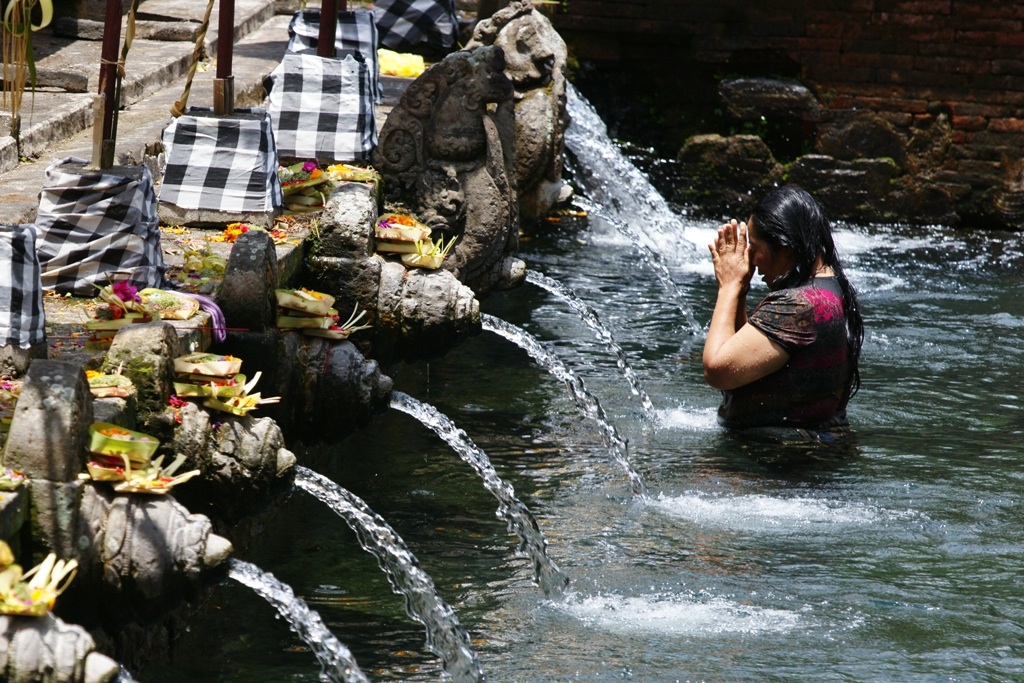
(935, 88)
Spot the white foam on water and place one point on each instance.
(762, 512)
(670, 614)
(690, 419)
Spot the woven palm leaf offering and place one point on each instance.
(169, 305)
(306, 186)
(215, 387)
(355, 174)
(400, 233)
(242, 403)
(204, 365)
(304, 301)
(208, 375)
(311, 313)
(430, 256)
(108, 385)
(155, 479)
(11, 479)
(121, 305)
(32, 593)
(114, 451)
(201, 271)
(338, 330)
(10, 389)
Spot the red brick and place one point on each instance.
(951, 65)
(971, 123)
(917, 6)
(1014, 125)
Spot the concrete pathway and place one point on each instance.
(58, 123)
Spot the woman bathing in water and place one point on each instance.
(792, 363)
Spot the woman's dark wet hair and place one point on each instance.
(790, 217)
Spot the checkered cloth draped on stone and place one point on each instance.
(403, 24)
(355, 32)
(226, 164)
(21, 292)
(323, 108)
(92, 223)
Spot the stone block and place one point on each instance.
(145, 354)
(13, 512)
(54, 514)
(345, 225)
(247, 292)
(50, 428)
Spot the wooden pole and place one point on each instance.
(328, 27)
(223, 84)
(108, 80)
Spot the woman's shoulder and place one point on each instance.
(784, 311)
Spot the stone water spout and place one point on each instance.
(325, 386)
(48, 649)
(144, 550)
(246, 452)
(414, 313)
(535, 60)
(447, 153)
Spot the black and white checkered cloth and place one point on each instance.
(404, 24)
(221, 163)
(322, 108)
(355, 32)
(21, 293)
(91, 223)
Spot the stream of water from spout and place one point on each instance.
(589, 316)
(446, 638)
(585, 401)
(511, 510)
(337, 663)
(653, 259)
(624, 192)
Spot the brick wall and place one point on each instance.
(907, 61)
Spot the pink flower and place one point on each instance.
(124, 291)
(309, 166)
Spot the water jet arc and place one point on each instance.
(446, 638)
(589, 316)
(520, 520)
(585, 401)
(337, 663)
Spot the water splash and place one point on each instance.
(651, 258)
(337, 663)
(585, 401)
(678, 615)
(445, 636)
(589, 316)
(124, 676)
(510, 509)
(623, 190)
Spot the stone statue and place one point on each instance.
(535, 61)
(447, 153)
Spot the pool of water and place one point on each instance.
(899, 562)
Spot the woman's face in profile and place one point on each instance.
(771, 263)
